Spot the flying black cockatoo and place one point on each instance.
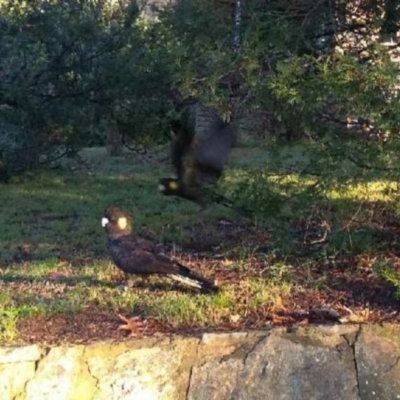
(198, 159)
(138, 256)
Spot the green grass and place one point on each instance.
(51, 225)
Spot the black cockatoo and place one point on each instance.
(198, 159)
(138, 256)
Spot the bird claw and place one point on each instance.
(132, 324)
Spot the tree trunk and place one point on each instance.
(237, 25)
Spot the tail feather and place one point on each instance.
(189, 278)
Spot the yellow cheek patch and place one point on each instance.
(122, 223)
(173, 185)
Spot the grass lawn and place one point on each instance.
(301, 258)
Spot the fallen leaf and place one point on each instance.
(278, 320)
(132, 324)
(227, 263)
(234, 318)
(278, 305)
(55, 275)
(359, 316)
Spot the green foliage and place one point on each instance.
(310, 84)
(70, 72)
(17, 148)
(388, 271)
(8, 324)
(343, 104)
(288, 64)
(250, 190)
(53, 258)
(196, 35)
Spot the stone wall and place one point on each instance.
(327, 363)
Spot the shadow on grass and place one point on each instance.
(76, 280)
(67, 280)
(371, 292)
(58, 217)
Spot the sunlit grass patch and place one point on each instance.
(372, 191)
(72, 291)
(388, 270)
(290, 184)
(184, 309)
(53, 258)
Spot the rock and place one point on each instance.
(19, 354)
(220, 344)
(378, 364)
(149, 373)
(279, 367)
(215, 380)
(62, 375)
(313, 363)
(13, 378)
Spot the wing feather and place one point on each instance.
(135, 256)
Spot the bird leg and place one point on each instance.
(132, 281)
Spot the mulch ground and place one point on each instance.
(351, 293)
(349, 299)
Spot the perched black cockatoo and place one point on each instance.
(138, 256)
(198, 159)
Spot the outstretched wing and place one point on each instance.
(212, 149)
